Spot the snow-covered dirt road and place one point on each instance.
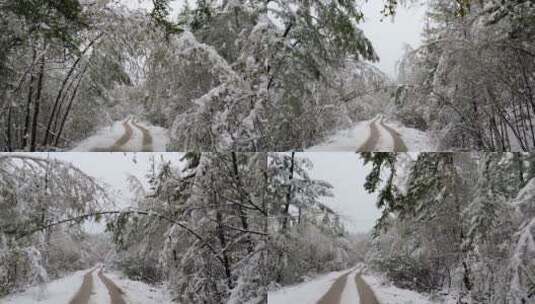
(91, 286)
(128, 135)
(376, 135)
(334, 288)
(346, 287)
(84, 293)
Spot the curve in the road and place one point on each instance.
(127, 136)
(147, 138)
(117, 146)
(84, 293)
(366, 294)
(116, 293)
(371, 143)
(399, 145)
(334, 294)
(373, 139)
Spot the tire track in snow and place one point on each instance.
(85, 291)
(372, 143)
(116, 293)
(147, 138)
(373, 138)
(399, 145)
(366, 294)
(127, 136)
(334, 294)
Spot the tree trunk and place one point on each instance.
(243, 216)
(68, 110)
(26, 131)
(223, 243)
(37, 105)
(9, 147)
(286, 214)
(62, 88)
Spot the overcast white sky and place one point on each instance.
(346, 172)
(113, 168)
(388, 36)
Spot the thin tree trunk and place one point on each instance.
(9, 146)
(26, 131)
(243, 216)
(37, 105)
(286, 214)
(68, 110)
(62, 88)
(223, 242)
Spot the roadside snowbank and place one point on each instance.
(139, 292)
(414, 139)
(389, 294)
(345, 140)
(58, 291)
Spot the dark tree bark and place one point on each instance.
(243, 200)
(9, 146)
(53, 113)
(288, 194)
(37, 104)
(68, 110)
(26, 131)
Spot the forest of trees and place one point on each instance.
(472, 81)
(201, 227)
(228, 227)
(262, 75)
(457, 223)
(36, 193)
(306, 236)
(238, 75)
(207, 235)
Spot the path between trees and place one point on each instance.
(372, 143)
(366, 294)
(84, 293)
(147, 138)
(335, 292)
(116, 294)
(87, 289)
(127, 137)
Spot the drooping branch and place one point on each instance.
(128, 212)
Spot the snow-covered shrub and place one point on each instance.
(37, 193)
(306, 251)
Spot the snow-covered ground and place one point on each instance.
(345, 140)
(305, 293)
(414, 139)
(139, 292)
(387, 293)
(58, 291)
(312, 291)
(100, 293)
(61, 291)
(108, 136)
(354, 138)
